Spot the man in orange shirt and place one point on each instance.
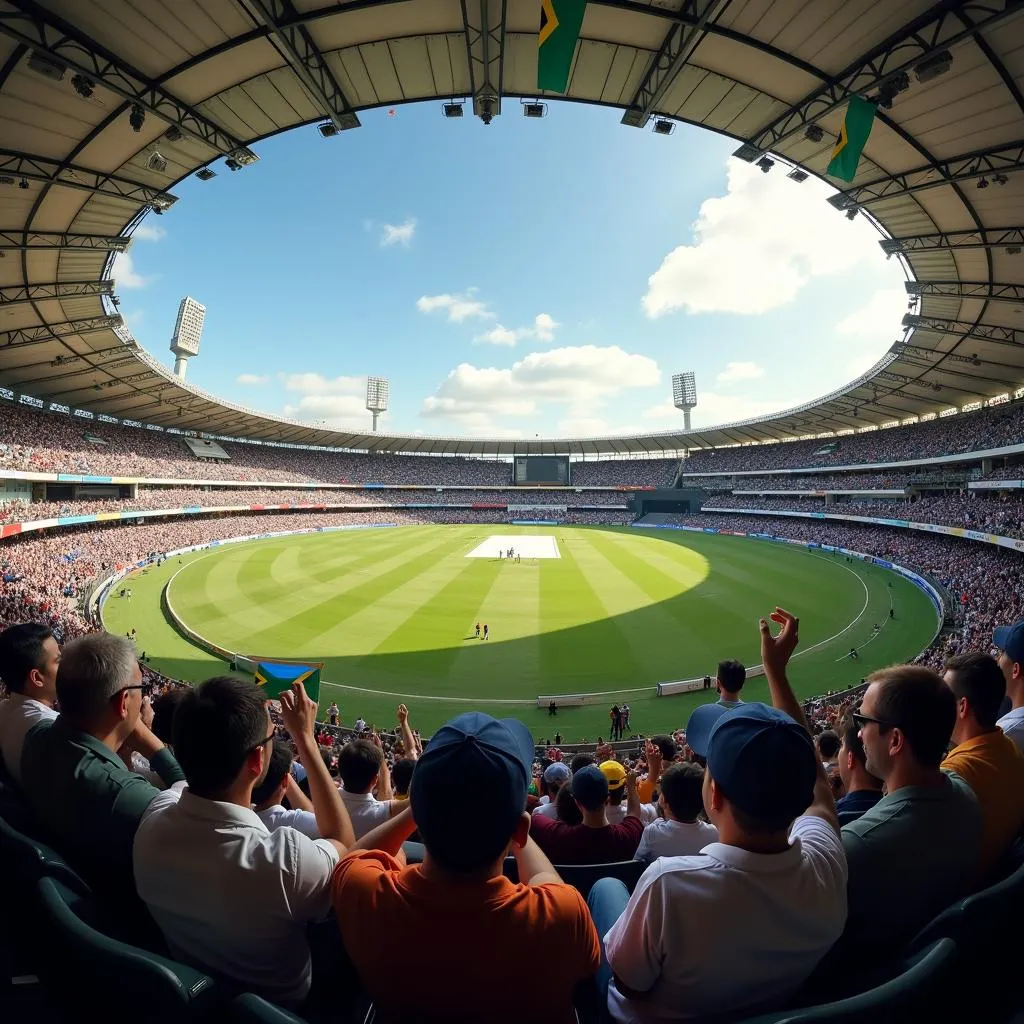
(466, 929)
(987, 760)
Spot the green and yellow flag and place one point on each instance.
(276, 677)
(560, 22)
(860, 116)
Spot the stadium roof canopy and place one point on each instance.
(88, 87)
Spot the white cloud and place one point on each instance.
(146, 232)
(399, 234)
(581, 378)
(318, 384)
(253, 379)
(713, 408)
(332, 401)
(459, 307)
(583, 426)
(124, 273)
(734, 372)
(757, 246)
(543, 329)
(879, 318)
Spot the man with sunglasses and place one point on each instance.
(917, 850)
(76, 784)
(1009, 652)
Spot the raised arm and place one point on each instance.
(533, 864)
(775, 654)
(389, 835)
(298, 713)
(632, 796)
(408, 740)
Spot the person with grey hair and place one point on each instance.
(74, 779)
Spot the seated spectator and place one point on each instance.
(861, 789)
(364, 769)
(768, 899)
(917, 850)
(731, 677)
(76, 785)
(1009, 642)
(595, 841)
(615, 773)
(29, 656)
(229, 894)
(987, 760)
(567, 810)
(555, 776)
(467, 929)
(278, 785)
(401, 777)
(681, 832)
(827, 743)
(164, 707)
(658, 751)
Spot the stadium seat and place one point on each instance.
(914, 994)
(583, 876)
(249, 1008)
(28, 859)
(83, 968)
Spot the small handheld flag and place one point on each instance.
(275, 677)
(860, 116)
(560, 23)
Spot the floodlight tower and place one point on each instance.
(188, 330)
(377, 389)
(684, 394)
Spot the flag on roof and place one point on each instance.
(860, 116)
(560, 22)
(276, 677)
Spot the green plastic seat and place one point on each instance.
(30, 859)
(249, 1008)
(917, 993)
(86, 968)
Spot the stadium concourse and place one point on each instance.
(179, 853)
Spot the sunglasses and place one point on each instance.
(146, 688)
(862, 720)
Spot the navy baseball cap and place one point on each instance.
(702, 721)
(1011, 640)
(590, 787)
(763, 761)
(473, 762)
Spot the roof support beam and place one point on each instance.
(52, 172)
(485, 51)
(968, 290)
(14, 294)
(676, 49)
(937, 29)
(15, 239)
(970, 166)
(42, 30)
(981, 238)
(965, 330)
(54, 332)
(296, 45)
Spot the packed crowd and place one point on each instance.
(216, 827)
(803, 482)
(1010, 471)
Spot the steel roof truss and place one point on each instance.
(981, 238)
(15, 294)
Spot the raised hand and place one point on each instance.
(777, 650)
(403, 714)
(298, 711)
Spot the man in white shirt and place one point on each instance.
(680, 833)
(360, 725)
(228, 894)
(768, 899)
(555, 776)
(278, 784)
(1009, 641)
(364, 770)
(29, 656)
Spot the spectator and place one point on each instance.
(680, 833)
(278, 785)
(164, 707)
(658, 751)
(457, 912)
(363, 769)
(987, 760)
(29, 656)
(918, 848)
(595, 841)
(1009, 641)
(827, 743)
(555, 776)
(77, 786)
(401, 777)
(861, 789)
(614, 772)
(731, 677)
(768, 899)
(228, 893)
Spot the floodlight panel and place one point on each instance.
(188, 329)
(377, 393)
(684, 389)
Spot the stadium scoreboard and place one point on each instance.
(537, 470)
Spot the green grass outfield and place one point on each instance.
(393, 611)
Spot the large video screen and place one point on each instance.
(535, 470)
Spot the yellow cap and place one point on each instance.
(614, 773)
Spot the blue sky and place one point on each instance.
(530, 277)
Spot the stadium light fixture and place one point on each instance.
(45, 65)
(982, 182)
(452, 109)
(328, 129)
(137, 117)
(205, 174)
(535, 110)
(814, 133)
(766, 163)
(937, 64)
(851, 213)
(684, 394)
(82, 86)
(999, 179)
(157, 161)
(890, 89)
(244, 156)
(377, 395)
(797, 174)
(662, 126)
(232, 164)
(173, 134)
(23, 183)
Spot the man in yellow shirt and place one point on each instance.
(987, 760)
